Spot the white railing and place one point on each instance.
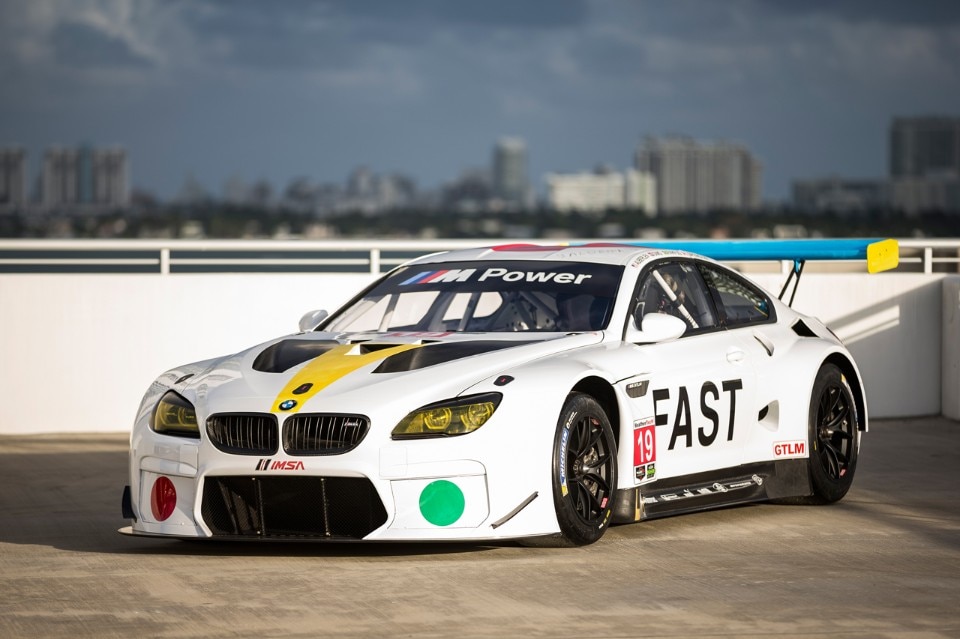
(929, 253)
(214, 256)
(304, 256)
(83, 336)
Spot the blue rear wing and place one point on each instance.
(880, 255)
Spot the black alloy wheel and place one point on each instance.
(584, 471)
(834, 436)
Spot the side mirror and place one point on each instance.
(310, 320)
(655, 328)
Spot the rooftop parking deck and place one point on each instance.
(884, 562)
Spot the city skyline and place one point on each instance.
(220, 90)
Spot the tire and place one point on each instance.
(834, 436)
(584, 471)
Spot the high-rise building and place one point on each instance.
(13, 177)
(925, 164)
(110, 179)
(640, 191)
(840, 194)
(510, 182)
(694, 176)
(601, 190)
(921, 195)
(925, 147)
(85, 177)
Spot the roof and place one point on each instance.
(598, 253)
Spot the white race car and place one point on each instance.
(514, 392)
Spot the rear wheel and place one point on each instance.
(834, 436)
(584, 471)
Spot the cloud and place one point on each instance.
(531, 14)
(926, 13)
(582, 79)
(79, 45)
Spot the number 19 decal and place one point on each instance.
(644, 450)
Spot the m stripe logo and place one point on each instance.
(453, 275)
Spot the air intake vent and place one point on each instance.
(244, 434)
(802, 329)
(292, 507)
(323, 434)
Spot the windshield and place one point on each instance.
(485, 297)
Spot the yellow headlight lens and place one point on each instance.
(455, 417)
(437, 419)
(474, 416)
(174, 415)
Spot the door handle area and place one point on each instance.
(735, 355)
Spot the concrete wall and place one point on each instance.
(78, 351)
(892, 325)
(950, 367)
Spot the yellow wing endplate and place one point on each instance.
(883, 256)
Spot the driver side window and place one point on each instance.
(676, 289)
(738, 302)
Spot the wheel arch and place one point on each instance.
(601, 390)
(849, 370)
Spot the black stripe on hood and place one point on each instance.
(285, 355)
(434, 354)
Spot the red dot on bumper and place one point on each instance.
(163, 498)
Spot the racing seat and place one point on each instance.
(580, 312)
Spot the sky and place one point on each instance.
(221, 89)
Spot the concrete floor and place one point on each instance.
(884, 562)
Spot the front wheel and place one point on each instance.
(584, 471)
(834, 436)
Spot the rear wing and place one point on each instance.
(880, 255)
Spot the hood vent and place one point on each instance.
(434, 354)
(369, 347)
(284, 355)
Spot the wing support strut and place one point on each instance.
(796, 271)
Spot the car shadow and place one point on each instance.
(65, 493)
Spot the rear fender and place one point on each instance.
(783, 399)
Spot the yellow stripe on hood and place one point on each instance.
(325, 369)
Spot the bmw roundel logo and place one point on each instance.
(287, 404)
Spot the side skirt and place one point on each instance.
(760, 481)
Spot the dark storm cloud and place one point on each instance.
(935, 13)
(427, 86)
(79, 45)
(532, 14)
(259, 34)
(328, 34)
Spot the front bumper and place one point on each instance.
(312, 507)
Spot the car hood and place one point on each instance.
(331, 372)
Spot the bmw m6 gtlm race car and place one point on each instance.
(513, 392)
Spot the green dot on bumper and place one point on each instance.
(441, 502)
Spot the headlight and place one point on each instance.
(451, 417)
(175, 416)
